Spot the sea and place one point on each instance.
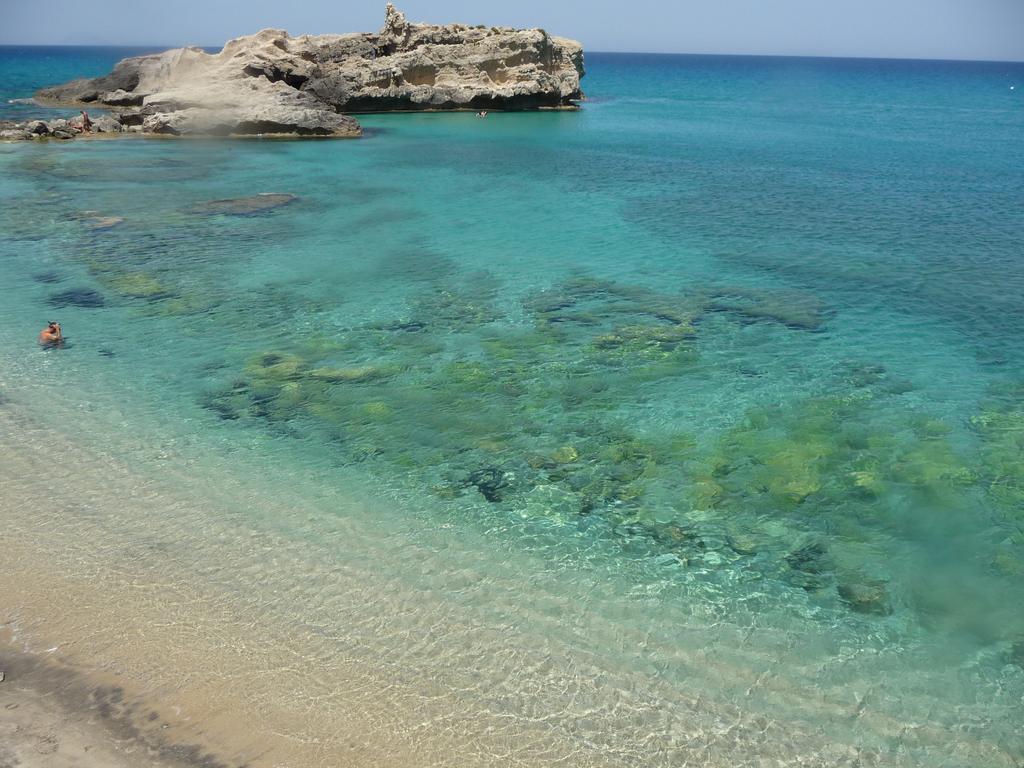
(684, 429)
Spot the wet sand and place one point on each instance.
(53, 717)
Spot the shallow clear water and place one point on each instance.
(740, 343)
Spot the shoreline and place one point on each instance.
(245, 662)
(52, 716)
(112, 615)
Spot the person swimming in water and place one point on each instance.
(51, 335)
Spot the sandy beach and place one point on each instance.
(139, 657)
(51, 717)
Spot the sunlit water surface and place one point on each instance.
(719, 381)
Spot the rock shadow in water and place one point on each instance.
(86, 298)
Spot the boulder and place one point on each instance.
(122, 98)
(106, 124)
(37, 127)
(272, 83)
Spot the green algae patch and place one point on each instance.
(643, 342)
(138, 285)
(818, 451)
(520, 418)
(354, 375)
(468, 374)
(567, 454)
(276, 367)
(794, 309)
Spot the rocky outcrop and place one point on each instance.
(60, 128)
(271, 83)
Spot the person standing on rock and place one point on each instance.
(86, 122)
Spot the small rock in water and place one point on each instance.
(867, 597)
(490, 481)
(742, 544)
(810, 558)
(100, 223)
(107, 353)
(567, 454)
(809, 564)
(77, 297)
(246, 206)
(412, 326)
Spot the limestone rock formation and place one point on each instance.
(271, 83)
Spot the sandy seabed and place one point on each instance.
(116, 649)
(158, 618)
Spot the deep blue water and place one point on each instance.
(744, 333)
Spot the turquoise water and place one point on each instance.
(744, 335)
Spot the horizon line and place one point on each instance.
(159, 47)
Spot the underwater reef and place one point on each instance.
(525, 404)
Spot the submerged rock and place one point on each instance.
(246, 206)
(794, 309)
(272, 83)
(276, 367)
(492, 483)
(869, 597)
(100, 223)
(357, 375)
(77, 297)
(138, 285)
(567, 454)
(810, 564)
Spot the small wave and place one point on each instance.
(21, 101)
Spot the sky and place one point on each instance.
(928, 29)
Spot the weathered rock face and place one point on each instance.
(272, 83)
(189, 92)
(424, 66)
